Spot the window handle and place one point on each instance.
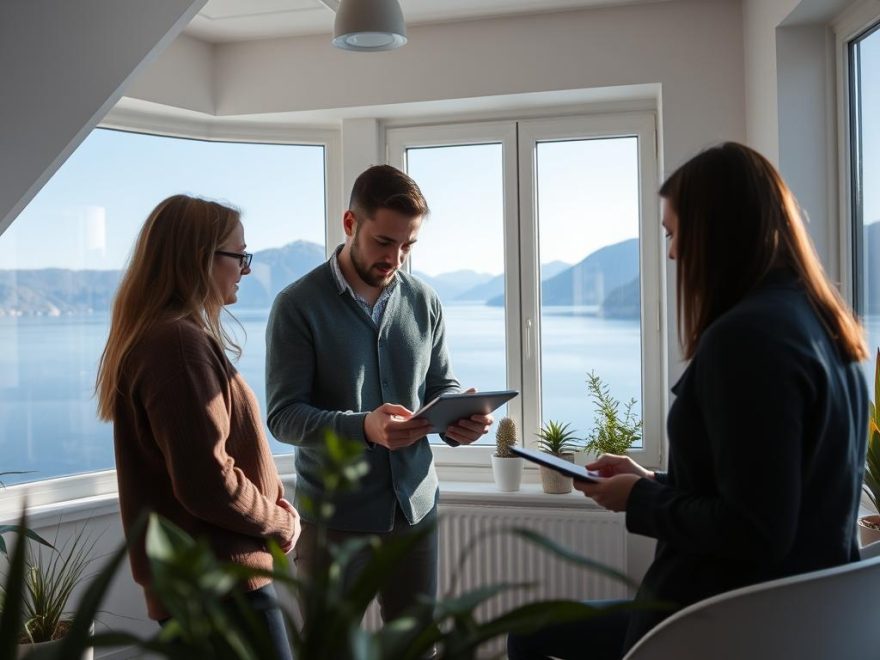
(528, 339)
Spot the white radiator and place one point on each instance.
(598, 535)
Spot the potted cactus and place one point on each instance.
(556, 438)
(506, 468)
(869, 526)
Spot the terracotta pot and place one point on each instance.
(553, 482)
(507, 471)
(868, 535)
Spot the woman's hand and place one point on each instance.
(620, 475)
(611, 493)
(609, 465)
(288, 546)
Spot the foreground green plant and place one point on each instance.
(18, 529)
(204, 597)
(613, 433)
(49, 580)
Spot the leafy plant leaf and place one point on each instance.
(13, 592)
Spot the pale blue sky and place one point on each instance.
(122, 176)
(587, 198)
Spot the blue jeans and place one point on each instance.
(599, 638)
(264, 606)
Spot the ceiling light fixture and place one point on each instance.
(368, 25)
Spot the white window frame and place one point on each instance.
(652, 272)
(398, 140)
(522, 313)
(854, 21)
(100, 484)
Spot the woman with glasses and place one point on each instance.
(187, 429)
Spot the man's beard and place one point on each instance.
(366, 273)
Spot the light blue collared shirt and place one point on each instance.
(375, 311)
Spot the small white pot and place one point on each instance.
(507, 472)
(868, 535)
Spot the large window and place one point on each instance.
(864, 96)
(62, 257)
(461, 254)
(543, 244)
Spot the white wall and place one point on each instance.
(760, 19)
(791, 111)
(692, 48)
(182, 77)
(64, 65)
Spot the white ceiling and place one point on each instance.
(240, 20)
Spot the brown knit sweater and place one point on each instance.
(190, 447)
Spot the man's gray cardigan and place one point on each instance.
(328, 365)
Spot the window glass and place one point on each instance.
(460, 252)
(865, 95)
(60, 262)
(588, 229)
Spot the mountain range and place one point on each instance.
(604, 280)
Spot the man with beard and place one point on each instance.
(356, 346)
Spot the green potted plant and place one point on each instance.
(613, 432)
(193, 584)
(556, 438)
(506, 468)
(18, 529)
(869, 526)
(50, 577)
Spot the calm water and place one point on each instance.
(47, 374)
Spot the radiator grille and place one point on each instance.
(597, 535)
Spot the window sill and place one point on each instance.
(529, 495)
(77, 506)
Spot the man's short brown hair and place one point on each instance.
(386, 187)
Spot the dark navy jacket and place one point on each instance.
(766, 456)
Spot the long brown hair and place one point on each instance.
(737, 220)
(169, 276)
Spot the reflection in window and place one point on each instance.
(460, 253)
(865, 125)
(588, 228)
(61, 262)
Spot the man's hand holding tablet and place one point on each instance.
(464, 417)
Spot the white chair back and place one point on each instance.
(833, 614)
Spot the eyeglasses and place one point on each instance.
(244, 258)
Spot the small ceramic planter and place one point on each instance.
(507, 472)
(869, 535)
(553, 482)
(24, 650)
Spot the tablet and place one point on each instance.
(447, 409)
(562, 466)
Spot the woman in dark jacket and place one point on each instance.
(767, 431)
